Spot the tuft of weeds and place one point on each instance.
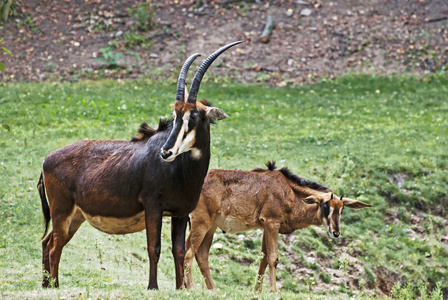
(410, 291)
(28, 22)
(110, 57)
(132, 39)
(145, 14)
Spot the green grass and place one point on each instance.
(381, 140)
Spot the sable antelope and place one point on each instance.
(276, 201)
(122, 187)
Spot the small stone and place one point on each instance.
(306, 12)
(217, 246)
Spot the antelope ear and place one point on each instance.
(352, 203)
(311, 200)
(215, 113)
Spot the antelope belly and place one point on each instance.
(114, 225)
(232, 224)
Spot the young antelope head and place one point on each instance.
(190, 115)
(331, 208)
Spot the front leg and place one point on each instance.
(153, 219)
(178, 228)
(271, 244)
(263, 265)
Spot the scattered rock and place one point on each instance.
(217, 246)
(306, 12)
(342, 37)
(410, 232)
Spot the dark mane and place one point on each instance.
(271, 167)
(206, 103)
(164, 124)
(294, 178)
(145, 131)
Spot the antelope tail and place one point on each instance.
(44, 202)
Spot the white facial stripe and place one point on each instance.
(186, 118)
(176, 146)
(188, 142)
(327, 225)
(340, 211)
(331, 212)
(185, 144)
(175, 150)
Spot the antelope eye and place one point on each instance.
(193, 115)
(193, 120)
(326, 209)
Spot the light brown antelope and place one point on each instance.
(276, 201)
(122, 187)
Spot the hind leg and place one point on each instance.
(63, 230)
(194, 242)
(47, 242)
(202, 255)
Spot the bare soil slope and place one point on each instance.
(68, 40)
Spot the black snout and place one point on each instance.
(336, 234)
(165, 155)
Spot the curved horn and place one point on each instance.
(342, 195)
(180, 94)
(203, 68)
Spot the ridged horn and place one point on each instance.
(180, 94)
(203, 68)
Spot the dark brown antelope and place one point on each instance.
(122, 187)
(276, 201)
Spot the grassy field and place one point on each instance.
(381, 140)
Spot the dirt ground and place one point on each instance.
(70, 40)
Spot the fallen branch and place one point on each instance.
(268, 27)
(436, 19)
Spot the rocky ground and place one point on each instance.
(70, 40)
